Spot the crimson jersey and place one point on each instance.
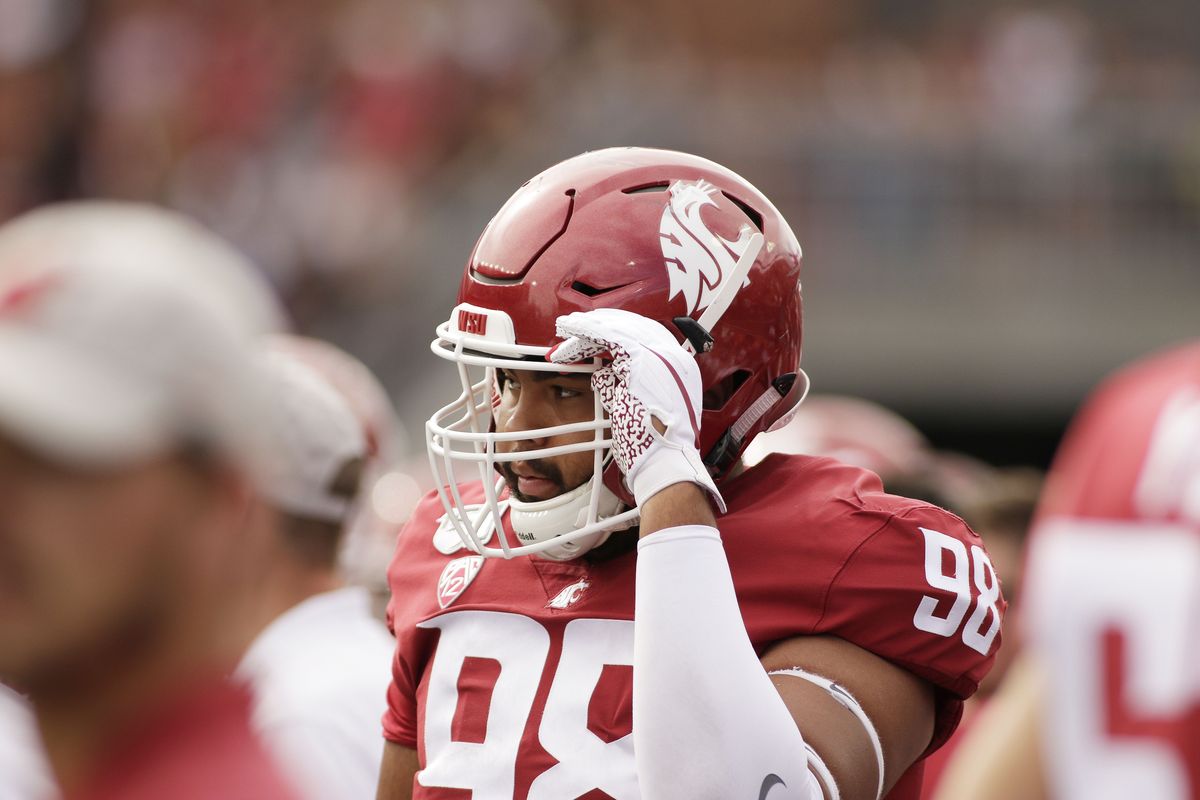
(1113, 605)
(513, 679)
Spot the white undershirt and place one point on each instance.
(320, 674)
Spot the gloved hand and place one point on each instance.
(647, 376)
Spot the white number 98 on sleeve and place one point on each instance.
(967, 577)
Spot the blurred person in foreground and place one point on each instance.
(319, 667)
(132, 536)
(597, 601)
(1104, 701)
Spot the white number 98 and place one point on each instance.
(967, 570)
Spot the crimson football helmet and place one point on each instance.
(667, 235)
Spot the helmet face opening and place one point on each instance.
(670, 236)
(464, 446)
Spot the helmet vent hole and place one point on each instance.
(754, 216)
(661, 186)
(716, 397)
(594, 291)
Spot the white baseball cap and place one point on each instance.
(127, 330)
(314, 435)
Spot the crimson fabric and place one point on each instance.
(1100, 463)
(814, 546)
(197, 747)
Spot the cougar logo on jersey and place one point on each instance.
(697, 258)
(569, 594)
(456, 577)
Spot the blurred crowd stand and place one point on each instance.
(986, 161)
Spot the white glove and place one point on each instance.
(648, 375)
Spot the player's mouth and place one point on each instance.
(531, 484)
(541, 488)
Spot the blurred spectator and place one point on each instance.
(320, 666)
(132, 539)
(298, 131)
(1036, 75)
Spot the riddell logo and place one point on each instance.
(472, 322)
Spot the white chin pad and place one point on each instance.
(547, 519)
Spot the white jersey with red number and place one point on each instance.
(513, 679)
(1113, 605)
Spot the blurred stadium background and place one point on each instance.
(998, 201)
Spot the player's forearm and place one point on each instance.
(680, 504)
(396, 772)
(708, 721)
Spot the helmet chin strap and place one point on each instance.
(548, 519)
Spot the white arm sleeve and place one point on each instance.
(708, 722)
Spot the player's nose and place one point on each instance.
(528, 415)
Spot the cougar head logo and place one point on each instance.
(696, 258)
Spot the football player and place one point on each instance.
(598, 601)
(1104, 701)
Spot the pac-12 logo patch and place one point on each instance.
(456, 577)
(697, 259)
